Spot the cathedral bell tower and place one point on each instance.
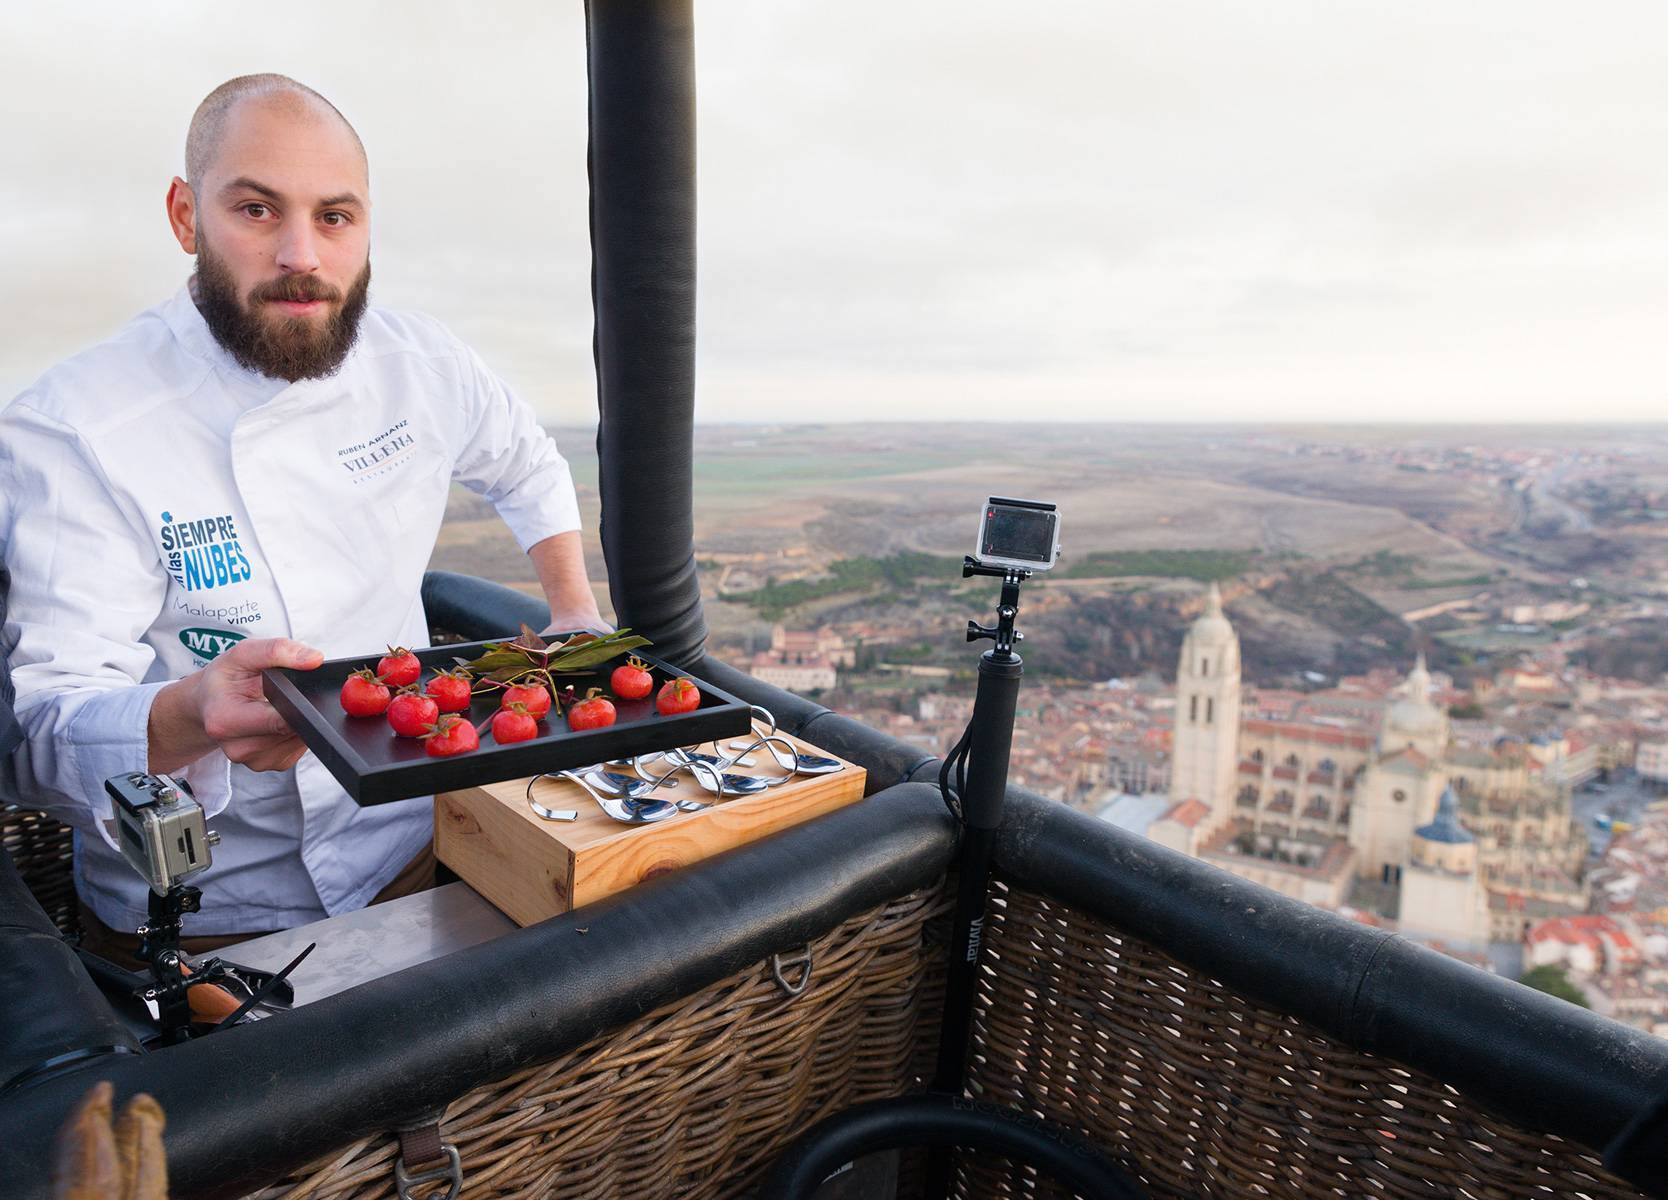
(1205, 754)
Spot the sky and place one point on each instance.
(1316, 210)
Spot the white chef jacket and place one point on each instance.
(159, 502)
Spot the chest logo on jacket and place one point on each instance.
(378, 455)
(203, 553)
(209, 644)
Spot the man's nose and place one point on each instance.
(297, 248)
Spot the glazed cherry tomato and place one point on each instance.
(678, 695)
(452, 735)
(363, 696)
(513, 723)
(399, 667)
(411, 713)
(450, 690)
(593, 712)
(631, 681)
(531, 696)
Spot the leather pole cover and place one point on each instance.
(642, 166)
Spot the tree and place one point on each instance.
(1552, 980)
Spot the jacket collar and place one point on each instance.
(187, 324)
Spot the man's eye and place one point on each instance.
(255, 210)
(334, 219)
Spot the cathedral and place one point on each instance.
(1322, 810)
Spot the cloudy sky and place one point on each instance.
(1167, 210)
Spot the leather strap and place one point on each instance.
(425, 1159)
(419, 1147)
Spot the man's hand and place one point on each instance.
(222, 705)
(577, 622)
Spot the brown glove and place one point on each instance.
(92, 1161)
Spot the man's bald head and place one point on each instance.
(209, 122)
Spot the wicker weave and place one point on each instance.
(41, 849)
(697, 1098)
(1216, 1096)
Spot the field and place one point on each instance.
(1326, 537)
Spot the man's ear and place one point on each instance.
(182, 214)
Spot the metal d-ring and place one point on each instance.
(777, 962)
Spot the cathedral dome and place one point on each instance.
(1413, 713)
(1446, 827)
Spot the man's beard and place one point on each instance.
(288, 348)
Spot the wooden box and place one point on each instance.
(532, 868)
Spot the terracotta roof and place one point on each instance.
(1188, 813)
(1408, 755)
(1323, 734)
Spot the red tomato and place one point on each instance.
(531, 696)
(363, 696)
(513, 723)
(632, 681)
(412, 713)
(678, 695)
(593, 712)
(450, 690)
(398, 667)
(453, 735)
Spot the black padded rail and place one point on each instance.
(249, 1104)
(51, 1014)
(475, 609)
(1533, 1059)
(642, 166)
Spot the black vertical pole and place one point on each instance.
(990, 740)
(641, 59)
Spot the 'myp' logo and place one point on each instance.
(209, 643)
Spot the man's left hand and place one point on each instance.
(578, 622)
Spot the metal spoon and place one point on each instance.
(549, 814)
(616, 784)
(623, 809)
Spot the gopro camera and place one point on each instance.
(160, 829)
(1019, 533)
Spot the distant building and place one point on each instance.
(1442, 898)
(1302, 796)
(802, 661)
(1651, 761)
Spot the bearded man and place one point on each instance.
(250, 475)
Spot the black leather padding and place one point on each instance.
(476, 609)
(49, 1008)
(642, 167)
(1640, 1152)
(249, 1104)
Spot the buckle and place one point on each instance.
(451, 1172)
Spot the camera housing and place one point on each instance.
(1019, 533)
(160, 828)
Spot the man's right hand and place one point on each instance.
(223, 706)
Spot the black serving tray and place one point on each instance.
(375, 767)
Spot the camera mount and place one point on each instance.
(1007, 608)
